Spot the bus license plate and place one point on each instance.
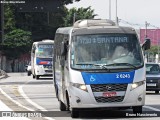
(151, 84)
(109, 94)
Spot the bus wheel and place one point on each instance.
(156, 91)
(62, 106)
(74, 113)
(33, 76)
(37, 76)
(68, 103)
(56, 89)
(137, 109)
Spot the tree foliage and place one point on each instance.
(153, 50)
(80, 13)
(17, 42)
(23, 28)
(65, 2)
(9, 19)
(18, 38)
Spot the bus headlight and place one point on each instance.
(80, 86)
(137, 84)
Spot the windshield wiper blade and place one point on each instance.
(100, 65)
(126, 64)
(84, 64)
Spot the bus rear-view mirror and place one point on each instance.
(147, 44)
(63, 48)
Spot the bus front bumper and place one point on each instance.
(82, 99)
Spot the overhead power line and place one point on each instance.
(137, 24)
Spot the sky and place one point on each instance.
(134, 12)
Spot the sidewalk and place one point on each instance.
(3, 74)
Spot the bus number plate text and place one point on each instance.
(109, 94)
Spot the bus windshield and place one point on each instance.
(44, 50)
(110, 50)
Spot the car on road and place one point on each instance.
(153, 77)
(28, 69)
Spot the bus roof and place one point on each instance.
(44, 41)
(95, 26)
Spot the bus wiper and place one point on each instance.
(126, 64)
(100, 65)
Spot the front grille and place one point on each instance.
(47, 66)
(109, 87)
(109, 99)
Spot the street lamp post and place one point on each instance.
(158, 43)
(110, 9)
(116, 12)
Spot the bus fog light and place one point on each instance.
(139, 98)
(78, 100)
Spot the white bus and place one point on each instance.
(42, 58)
(98, 64)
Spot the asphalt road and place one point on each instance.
(24, 94)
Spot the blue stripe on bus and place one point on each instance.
(108, 78)
(38, 60)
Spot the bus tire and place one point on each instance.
(137, 109)
(68, 102)
(74, 113)
(37, 77)
(28, 73)
(57, 93)
(33, 76)
(62, 106)
(157, 91)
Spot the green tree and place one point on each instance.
(9, 17)
(17, 42)
(65, 2)
(153, 50)
(80, 13)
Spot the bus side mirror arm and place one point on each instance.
(63, 49)
(147, 44)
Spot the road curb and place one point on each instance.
(3, 74)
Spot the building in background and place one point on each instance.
(152, 34)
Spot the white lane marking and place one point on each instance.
(152, 108)
(4, 107)
(49, 86)
(17, 103)
(29, 100)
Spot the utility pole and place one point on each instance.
(146, 25)
(1, 22)
(158, 43)
(74, 18)
(109, 9)
(116, 14)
